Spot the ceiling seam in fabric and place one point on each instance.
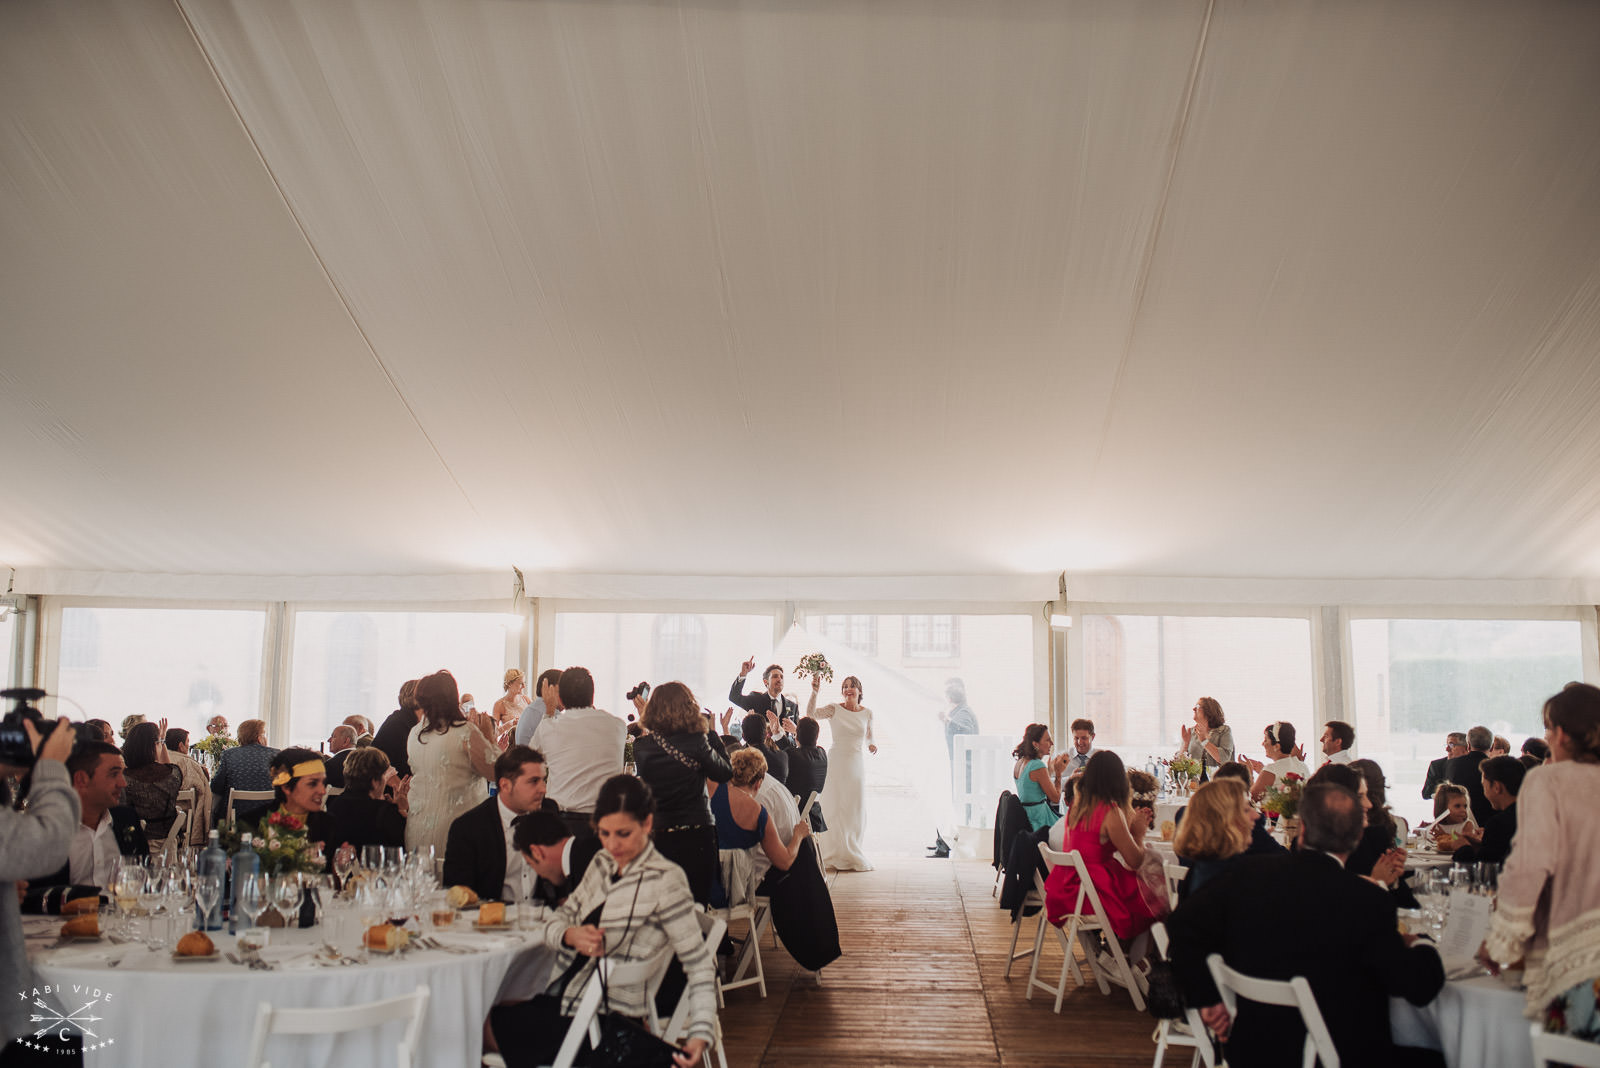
(322, 266)
(1141, 281)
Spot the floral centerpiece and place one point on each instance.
(814, 664)
(214, 745)
(1284, 797)
(279, 840)
(1185, 768)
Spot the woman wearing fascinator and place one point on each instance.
(1278, 742)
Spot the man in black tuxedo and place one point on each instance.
(479, 849)
(1302, 913)
(548, 847)
(1463, 771)
(782, 712)
(1502, 781)
(108, 828)
(1455, 744)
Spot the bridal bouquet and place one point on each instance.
(814, 664)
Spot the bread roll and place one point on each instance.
(1168, 830)
(80, 905)
(386, 937)
(85, 926)
(491, 913)
(462, 896)
(196, 944)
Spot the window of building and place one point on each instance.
(932, 637)
(856, 633)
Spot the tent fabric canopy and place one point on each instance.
(1212, 289)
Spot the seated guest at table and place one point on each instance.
(630, 904)
(1143, 787)
(1502, 780)
(246, 766)
(107, 829)
(1261, 840)
(1038, 776)
(1216, 829)
(557, 857)
(1278, 743)
(1456, 822)
(363, 815)
(481, 852)
(108, 733)
(808, 769)
(1338, 743)
(743, 823)
(676, 759)
(1381, 856)
(1547, 913)
(130, 722)
(300, 783)
(756, 733)
(195, 777)
(1102, 826)
(341, 743)
(153, 780)
(1344, 941)
(584, 745)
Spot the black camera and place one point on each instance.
(641, 690)
(15, 748)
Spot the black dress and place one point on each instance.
(363, 821)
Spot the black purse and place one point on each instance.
(624, 1042)
(1164, 999)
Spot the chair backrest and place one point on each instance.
(712, 928)
(179, 834)
(235, 796)
(738, 876)
(412, 1007)
(1009, 818)
(1197, 1027)
(1086, 891)
(1176, 874)
(805, 809)
(1294, 993)
(1551, 1049)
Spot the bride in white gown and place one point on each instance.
(845, 795)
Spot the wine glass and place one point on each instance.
(207, 891)
(126, 886)
(372, 858)
(286, 897)
(252, 898)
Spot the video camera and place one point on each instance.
(641, 690)
(15, 748)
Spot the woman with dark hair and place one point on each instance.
(153, 780)
(631, 904)
(850, 723)
(452, 757)
(676, 759)
(1547, 913)
(1210, 741)
(1102, 825)
(362, 815)
(1278, 742)
(300, 781)
(808, 769)
(1038, 776)
(1375, 857)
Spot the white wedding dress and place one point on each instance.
(844, 797)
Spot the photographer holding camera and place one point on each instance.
(32, 843)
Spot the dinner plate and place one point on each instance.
(489, 927)
(67, 939)
(215, 954)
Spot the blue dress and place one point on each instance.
(1035, 802)
(731, 836)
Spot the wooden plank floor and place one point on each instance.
(922, 982)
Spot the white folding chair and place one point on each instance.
(1294, 993)
(1060, 987)
(1550, 1049)
(1169, 1033)
(1089, 915)
(742, 905)
(168, 848)
(713, 928)
(335, 791)
(271, 1021)
(805, 809)
(235, 796)
(1176, 874)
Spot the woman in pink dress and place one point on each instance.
(1102, 826)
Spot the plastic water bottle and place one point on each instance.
(213, 861)
(245, 862)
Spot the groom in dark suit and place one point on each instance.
(479, 851)
(1302, 913)
(782, 712)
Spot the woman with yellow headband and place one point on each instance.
(300, 780)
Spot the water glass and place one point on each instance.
(126, 887)
(285, 890)
(152, 899)
(252, 898)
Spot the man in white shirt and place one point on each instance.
(783, 813)
(107, 829)
(1082, 746)
(583, 745)
(1338, 743)
(480, 851)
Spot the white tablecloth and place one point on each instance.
(1476, 1023)
(159, 1013)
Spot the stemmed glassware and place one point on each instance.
(126, 887)
(286, 897)
(207, 890)
(252, 898)
(152, 898)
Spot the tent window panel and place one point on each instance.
(1142, 676)
(857, 633)
(350, 663)
(1416, 680)
(184, 665)
(932, 637)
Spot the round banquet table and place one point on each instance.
(1475, 1023)
(158, 1012)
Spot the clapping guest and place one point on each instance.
(676, 759)
(1210, 741)
(1547, 914)
(808, 769)
(1277, 741)
(1216, 829)
(1038, 776)
(153, 780)
(1381, 854)
(247, 766)
(756, 729)
(363, 815)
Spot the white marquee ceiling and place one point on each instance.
(402, 287)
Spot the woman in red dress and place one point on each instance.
(1102, 827)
